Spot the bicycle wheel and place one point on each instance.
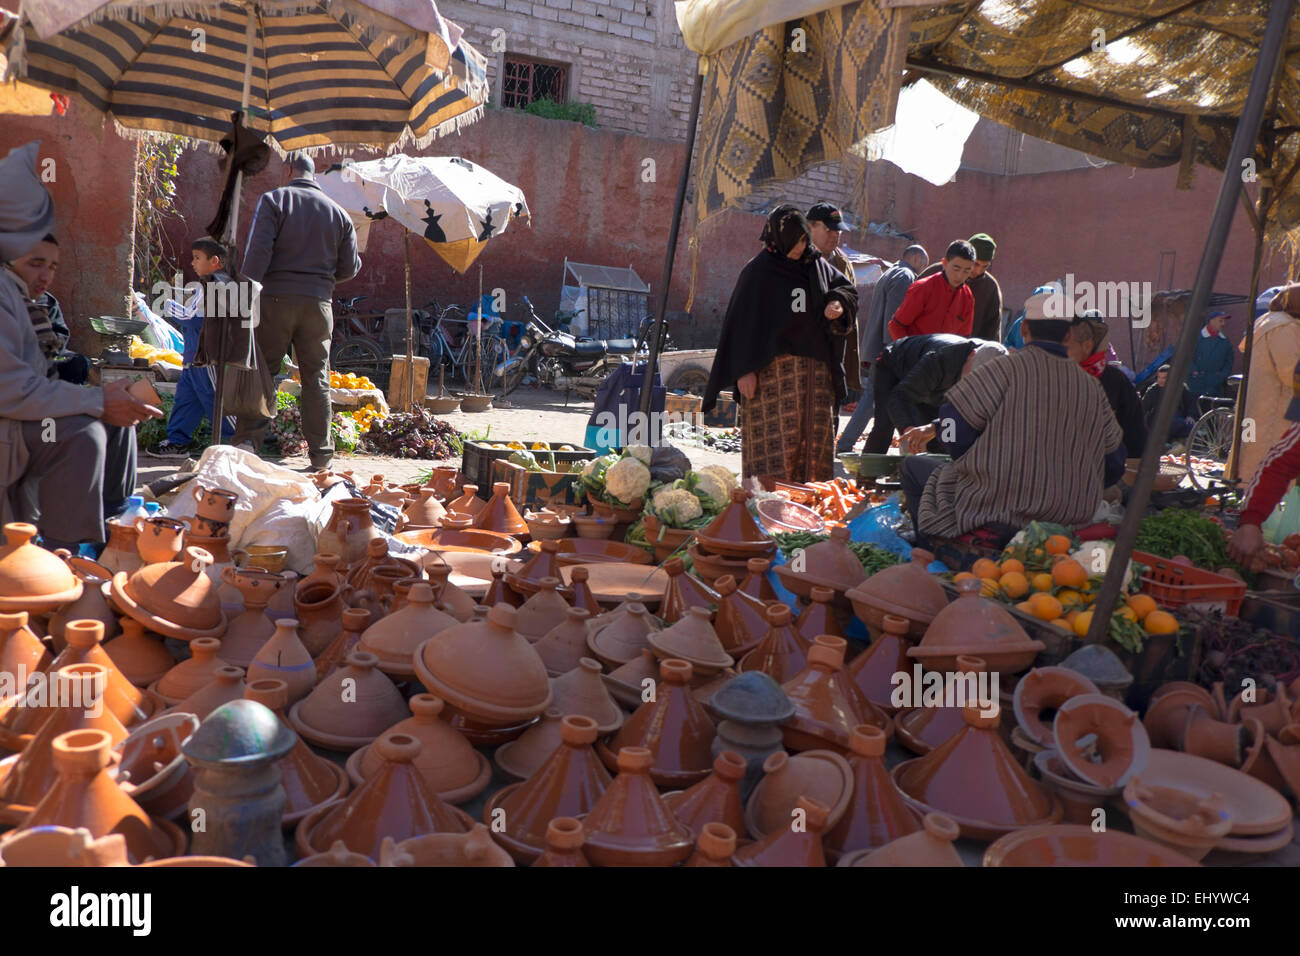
(361, 356)
(1210, 438)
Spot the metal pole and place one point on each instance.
(1243, 145)
(661, 298)
(478, 338)
(410, 348)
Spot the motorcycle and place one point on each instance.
(559, 360)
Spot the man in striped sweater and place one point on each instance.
(1280, 467)
(1032, 437)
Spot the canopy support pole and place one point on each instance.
(661, 296)
(1243, 146)
(410, 347)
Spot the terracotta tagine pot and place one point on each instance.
(1100, 740)
(756, 584)
(396, 638)
(1185, 822)
(565, 645)
(564, 840)
(526, 580)
(922, 729)
(734, 533)
(877, 813)
(355, 622)
(192, 674)
(623, 638)
(152, 768)
(819, 617)
(227, 684)
(799, 843)
(1038, 696)
(337, 855)
(974, 779)
(450, 598)
(715, 799)
(568, 784)
(741, 620)
(630, 825)
(906, 590)
(822, 775)
(21, 651)
(120, 553)
(222, 558)
(251, 628)
(872, 671)
(714, 846)
(86, 796)
(519, 759)
(827, 705)
(472, 849)
(978, 627)
(176, 599)
(425, 511)
(141, 659)
(61, 846)
(499, 592)
(710, 567)
(829, 564)
(932, 845)
(309, 781)
(500, 514)
(348, 531)
(692, 639)
(127, 702)
(319, 609)
(673, 726)
(631, 683)
(581, 691)
(347, 716)
(285, 658)
(1079, 845)
(469, 503)
(542, 612)
(394, 803)
(31, 578)
(91, 606)
(781, 653)
(453, 769)
(684, 591)
(751, 709)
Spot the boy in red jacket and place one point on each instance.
(942, 302)
(1280, 467)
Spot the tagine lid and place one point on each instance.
(241, 731)
(752, 698)
(906, 590)
(1255, 807)
(175, 598)
(734, 532)
(31, 578)
(976, 626)
(692, 639)
(1042, 691)
(1071, 844)
(1100, 740)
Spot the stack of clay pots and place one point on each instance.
(727, 543)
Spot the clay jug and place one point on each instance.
(320, 614)
(715, 846)
(522, 757)
(781, 653)
(426, 511)
(374, 705)
(499, 592)
(790, 845)
(692, 639)
(120, 553)
(395, 638)
(394, 803)
(872, 670)
(569, 783)
(141, 658)
(361, 576)
(127, 702)
(684, 590)
(673, 727)
(469, 503)
(450, 597)
(159, 539)
(227, 684)
(21, 652)
(756, 584)
(309, 781)
(929, 846)
(622, 640)
(91, 606)
(741, 621)
(500, 514)
(246, 633)
(564, 839)
(443, 483)
(818, 617)
(580, 592)
(715, 799)
(877, 812)
(827, 706)
(192, 674)
(485, 670)
(565, 644)
(87, 796)
(543, 611)
(355, 621)
(581, 691)
(325, 570)
(281, 603)
(452, 768)
(285, 658)
(348, 531)
(630, 825)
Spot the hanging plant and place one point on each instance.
(157, 174)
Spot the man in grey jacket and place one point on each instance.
(886, 297)
(300, 244)
(55, 436)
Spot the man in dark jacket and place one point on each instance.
(912, 377)
(988, 294)
(1212, 363)
(1088, 344)
(1184, 417)
(300, 244)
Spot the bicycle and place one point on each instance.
(355, 345)
(1212, 436)
(462, 357)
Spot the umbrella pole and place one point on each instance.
(1243, 145)
(410, 348)
(478, 336)
(661, 299)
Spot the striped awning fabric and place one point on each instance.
(325, 73)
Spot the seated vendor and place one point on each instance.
(37, 270)
(67, 447)
(1032, 438)
(1088, 344)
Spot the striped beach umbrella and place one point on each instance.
(315, 73)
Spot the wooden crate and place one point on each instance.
(535, 489)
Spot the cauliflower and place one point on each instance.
(589, 469)
(723, 475)
(643, 453)
(676, 507)
(708, 486)
(627, 480)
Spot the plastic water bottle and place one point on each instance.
(134, 509)
(154, 508)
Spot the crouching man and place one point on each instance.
(55, 437)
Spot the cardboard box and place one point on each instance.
(535, 489)
(684, 408)
(725, 414)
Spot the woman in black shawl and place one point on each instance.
(782, 351)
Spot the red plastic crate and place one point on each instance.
(1176, 585)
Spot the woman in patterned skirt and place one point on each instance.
(782, 351)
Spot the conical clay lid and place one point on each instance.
(622, 639)
(141, 659)
(799, 843)
(827, 704)
(192, 674)
(565, 644)
(350, 707)
(715, 799)
(905, 590)
(630, 825)
(564, 840)
(227, 684)
(715, 846)
(21, 651)
(500, 514)
(543, 612)
(581, 691)
(31, 578)
(684, 590)
(673, 726)
(309, 781)
(932, 845)
(692, 639)
(818, 617)
(127, 702)
(873, 670)
(452, 768)
(395, 639)
(781, 653)
(741, 621)
(973, 625)
(524, 756)
(922, 729)
(877, 813)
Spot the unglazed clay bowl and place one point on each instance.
(1255, 807)
(1079, 845)
(588, 551)
(471, 539)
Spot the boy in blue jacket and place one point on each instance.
(1212, 363)
(197, 388)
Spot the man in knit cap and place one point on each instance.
(987, 323)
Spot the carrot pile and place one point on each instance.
(835, 498)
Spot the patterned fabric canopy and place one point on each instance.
(325, 73)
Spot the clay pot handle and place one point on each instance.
(197, 492)
(228, 575)
(238, 557)
(138, 524)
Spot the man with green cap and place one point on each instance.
(985, 288)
